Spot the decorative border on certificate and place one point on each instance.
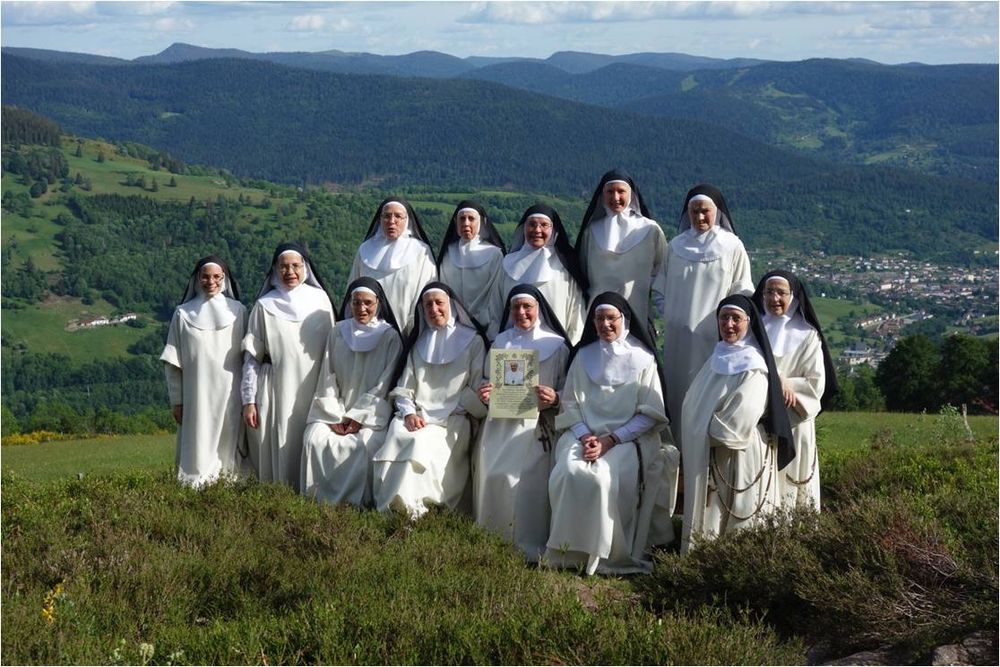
(514, 375)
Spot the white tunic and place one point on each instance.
(204, 370)
(630, 273)
(564, 297)
(291, 354)
(476, 288)
(511, 469)
(730, 472)
(430, 466)
(691, 292)
(402, 286)
(803, 369)
(595, 522)
(338, 468)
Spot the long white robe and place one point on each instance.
(724, 451)
(631, 273)
(803, 369)
(596, 523)
(691, 292)
(402, 286)
(476, 288)
(511, 468)
(203, 369)
(354, 385)
(291, 354)
(430, 466)
(564, 297)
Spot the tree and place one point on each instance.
(79, 150)
(38, 188)
(964, 372)
(908, 375)
(100, 156)
(173, 182)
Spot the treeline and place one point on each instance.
(20, 126)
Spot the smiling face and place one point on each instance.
(212, 279)
(291, 269)
(537, 231)
(364, 306)
(437, 308)
(609, 323)
(467, 224)
(777, 296)
(524, 312)
(617, 196)
(702, 215)
(733, 324)
(393, 220)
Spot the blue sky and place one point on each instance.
(889, 32)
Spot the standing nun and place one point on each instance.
(398, 255)
(736, 432)
(202, 364)
(425, 459)
(541, 255)
(610, 465)
(350, 412)
(621, 249)
(705, 263)
(469, 262)
(514, 456)
(808, 379)
(283, 352)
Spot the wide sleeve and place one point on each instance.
(808, 377)
(576, 311)
(355, 269)
(469, 400)
(742, 281)
(255, 340)
(172, 349)
(372, 409)
(738, 412)
(327, 406)
(659, 265)
(570, 412)
(405, 390)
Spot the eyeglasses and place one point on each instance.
(735, 319)
(602, 319)
(212, 279)
(777, 292)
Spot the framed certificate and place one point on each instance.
(514, 375)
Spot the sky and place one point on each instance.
(887, 32)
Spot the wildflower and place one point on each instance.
(146, 652)
(49, 606)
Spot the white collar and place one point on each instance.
(298, 303)
(734, 358)
(381, 254)
(217, 312)
(615, 363)
(471, 254)
(362, 337)
(786, 332)
(622, 232)
(706, 247)
(529, 264)
(444, 345)
(538, 337)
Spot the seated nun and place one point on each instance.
(621, 248)
(541, 255)
(425, 459)
(736, 432)
(808, 378)
(350, 411)
(398, 255)
(469, 263)
(705, 263)
(514, 456)
(201, 361)
(283, 351)
(610, 465)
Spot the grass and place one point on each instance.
(91, 456)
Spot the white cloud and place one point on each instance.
(48, 13)
(306, 23)
(170, 24)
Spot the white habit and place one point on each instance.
(476, 286)
(401, 285)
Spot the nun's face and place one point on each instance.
(777, 296)
(617, 196)
(437, 308)
(702, 215)
(212, 279)
(291, 269)
(537, 231)
(733, 324)
(393, 220)
(364, 306)
(609, 323)
(524, 313)
(467, 224)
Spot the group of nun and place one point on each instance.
(385, 403)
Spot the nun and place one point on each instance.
(201, 361)
(469, 262)
(808, 379)
(736, 432)
(621, 248)
(350, 411)
(425, 459)
(398, 255)
(705, 263)
(541, 255)
(513, 458)
(282, 354)
(610, 463)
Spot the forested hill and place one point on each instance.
(298, 126)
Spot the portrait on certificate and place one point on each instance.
(514, 376)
